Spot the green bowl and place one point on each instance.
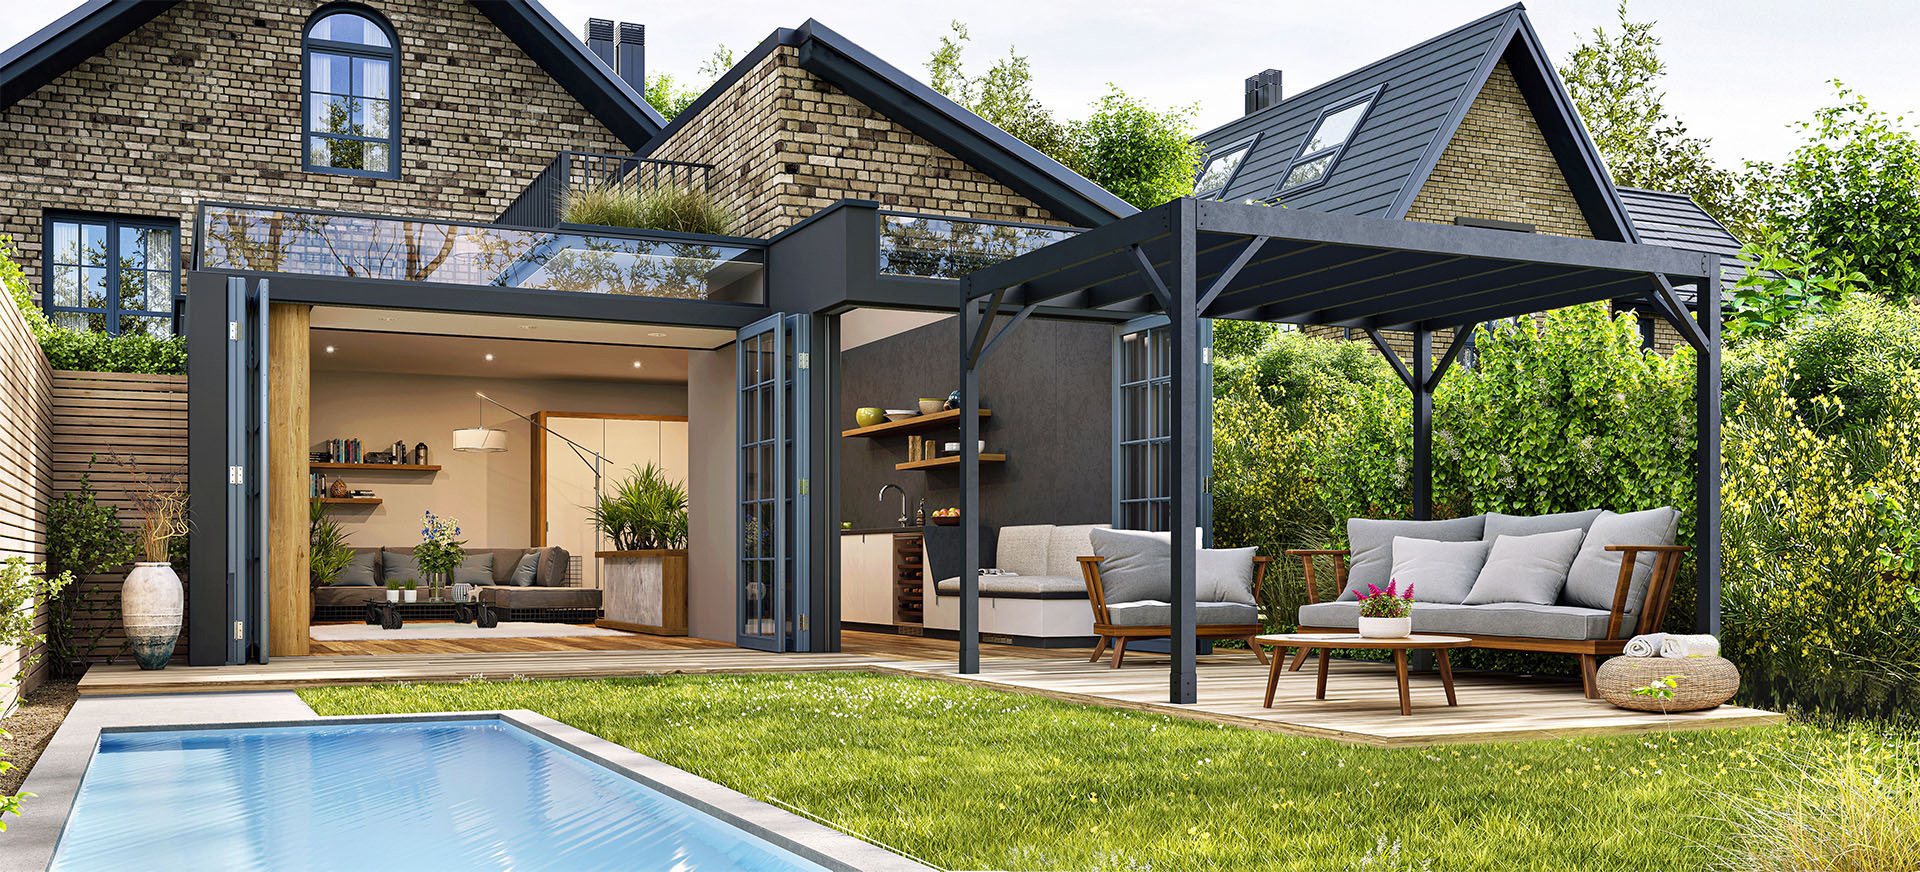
(868, 417)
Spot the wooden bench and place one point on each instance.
(1666, 568)
(1118, 634)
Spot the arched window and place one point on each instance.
(352, 65)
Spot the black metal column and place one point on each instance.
(1706, 389)
(1184, 466)
(1421, 473)
(823, 369)
(207, 473)
(970, 319)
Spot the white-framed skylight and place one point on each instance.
(1326, 140)
(1221, 166)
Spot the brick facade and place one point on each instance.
(204, 101)
(785, 144)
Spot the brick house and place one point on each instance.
(275, 180)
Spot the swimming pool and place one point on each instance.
(418, 795)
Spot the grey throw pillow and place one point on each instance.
(1596, 571)
(1136, 563)
(1526, 569)
(1440, 572)
(1526, 525)
(400, 567)
(362, 571)
(1371, 541)
(475, 569)
(523, 571)
(1224, 575)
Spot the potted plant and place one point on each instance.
(329, 554)
(393, 590)
(151, 598)
(440, 549)
(1386, 614)
(412, 591)
(645, 517)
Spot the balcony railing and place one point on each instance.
(545, 198)
(943, 247)
(642, 263)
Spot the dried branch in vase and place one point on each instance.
(160, 499)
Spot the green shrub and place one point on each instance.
(671, 207)
(84, 349)
(1856, 350)
(84, 538)
(1851, 810)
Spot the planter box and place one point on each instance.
(646, 591)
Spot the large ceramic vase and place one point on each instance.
(150, 602)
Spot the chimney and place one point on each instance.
(1263, 90)
(600, 40)
(633, 56)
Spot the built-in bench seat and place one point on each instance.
(1020, 587)
(1044, 603)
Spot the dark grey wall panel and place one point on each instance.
(1050, 389)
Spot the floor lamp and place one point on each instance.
(482, 439)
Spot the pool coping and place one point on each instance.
(811, 840)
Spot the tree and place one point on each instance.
(1615, 85)
(670, 98)
(1849, 197)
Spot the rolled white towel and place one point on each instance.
(1646, 645)
(1702, 645)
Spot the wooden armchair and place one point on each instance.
(1118, 634)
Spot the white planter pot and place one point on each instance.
(393, 596)
(1386, 628)
(150, 602)
(409, 595)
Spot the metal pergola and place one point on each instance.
(1194, 259)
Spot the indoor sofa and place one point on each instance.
(490, 570)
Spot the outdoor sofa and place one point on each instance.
(492, 572)
(1130, 585)
(1579, 583)
(1039, 599)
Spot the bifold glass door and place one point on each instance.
(1143, 423)
(246, 427)
(771, 362)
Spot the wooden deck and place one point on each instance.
(1362, 704)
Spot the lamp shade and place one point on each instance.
(480, 439)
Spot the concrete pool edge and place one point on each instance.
(808, 839)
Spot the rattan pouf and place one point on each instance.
(1703, 682)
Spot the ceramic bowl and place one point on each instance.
(954, 447)
(901, 414)
(869, 416)
(930, 406)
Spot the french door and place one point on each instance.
(1143, 425)
(773, 599)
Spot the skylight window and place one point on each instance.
(1328, 138)
(1218, 171)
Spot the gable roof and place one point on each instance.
(97, 24)
(1425, 91)
(932, 115)
(1676, 221)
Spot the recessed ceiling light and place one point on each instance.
(329, 349)
(489, 355)
(657, 335)
(636, 364)
(528, 327)
(386, 317)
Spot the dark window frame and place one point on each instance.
(1248, 143)
(113, 224)
(1370, 98)
(391, 55)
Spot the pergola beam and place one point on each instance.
(1392, 356)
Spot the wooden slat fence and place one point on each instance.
(96, 417)
(26, 462)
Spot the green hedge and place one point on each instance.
(84, 349)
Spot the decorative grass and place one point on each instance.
(969, 778)
(672, 207)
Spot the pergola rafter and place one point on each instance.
(1266, 264)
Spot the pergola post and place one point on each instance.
(1184, 467)
(1706, 388)
(1421, 473)
(970, 324)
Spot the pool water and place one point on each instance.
(421, 795)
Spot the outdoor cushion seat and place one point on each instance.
(1154, 613)
(541, 597)
(1020, 586)
(1494, 619)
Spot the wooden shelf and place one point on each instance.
(949, 460)
(400, 467)
(349, 501)
(909, 425)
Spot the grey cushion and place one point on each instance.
(1499, 619)
(523, 571)
(553, 567)
(400, 566)
(1153, 613)
(1372, 543)
(1135, 568)
(1440, 572)
(1526, 569)
(363, 571)
(1526, 525)
(474, 569)
(1596, 571)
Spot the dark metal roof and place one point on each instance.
(1676, 221)
(1425, 92)
(914, 105)
(1342, 270)
(84, 32)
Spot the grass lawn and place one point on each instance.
(968, 778)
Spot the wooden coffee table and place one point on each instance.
(1326, 642)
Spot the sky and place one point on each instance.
(1740, 71)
